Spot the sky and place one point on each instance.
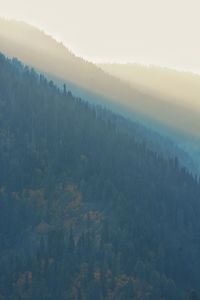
(160, 32)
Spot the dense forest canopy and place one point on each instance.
(87, 210)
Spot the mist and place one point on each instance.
(155, 32)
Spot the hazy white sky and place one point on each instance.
(164, 32)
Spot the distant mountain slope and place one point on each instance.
(88, 212)
(178, 87)
(175, 87)
(42, 52)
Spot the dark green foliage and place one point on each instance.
(86, 210)
(193, 296)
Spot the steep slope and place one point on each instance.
(175, 87)
(178, 87)
(42, 52)
(86, 211)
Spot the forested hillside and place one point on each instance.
(170, 86)
(87, 210)
(41, 51)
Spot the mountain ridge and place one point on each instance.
(51, 57)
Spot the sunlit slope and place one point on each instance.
(41, 51)
(181, 88)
